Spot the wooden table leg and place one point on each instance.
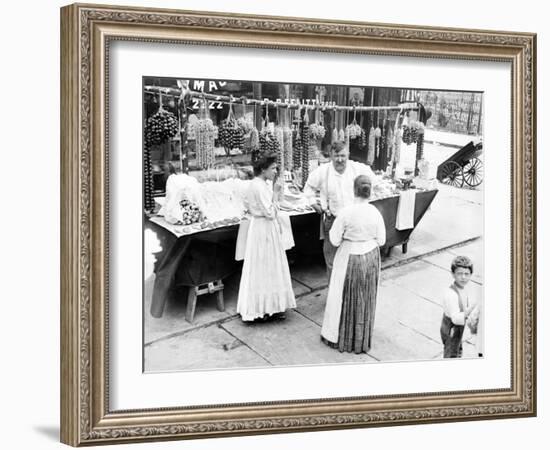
(191, 304)
(221, 305)
(404, 247)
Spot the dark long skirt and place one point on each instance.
(358, 303)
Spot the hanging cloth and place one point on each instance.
(405, 210)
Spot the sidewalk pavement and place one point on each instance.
(407, 317)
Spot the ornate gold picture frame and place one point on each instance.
(87, 31)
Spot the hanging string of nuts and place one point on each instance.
(305, 148)
(206, 134)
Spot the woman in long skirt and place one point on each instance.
(265, 289)
(358, 232)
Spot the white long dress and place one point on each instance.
(358, 229)
(266, 286)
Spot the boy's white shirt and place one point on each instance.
(451, 306)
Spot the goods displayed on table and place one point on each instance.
(190, 212)
(293, 199)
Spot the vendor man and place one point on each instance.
(333, 182)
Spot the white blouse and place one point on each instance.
(336, 189)
(259, 199)
(359, 222)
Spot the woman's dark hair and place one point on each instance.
(464, 262)
(362, 186)
(263, 162)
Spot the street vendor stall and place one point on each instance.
(193, 258)
(199, 217)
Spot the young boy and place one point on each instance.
(458, 304)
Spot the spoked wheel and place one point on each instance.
(473, 172)
(452, 174)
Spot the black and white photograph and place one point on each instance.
(295, 224)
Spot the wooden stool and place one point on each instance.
(195, 291)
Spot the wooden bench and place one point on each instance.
(207, 288)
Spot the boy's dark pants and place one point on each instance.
(451, 336)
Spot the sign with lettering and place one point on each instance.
(204, 85)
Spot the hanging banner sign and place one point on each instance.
(204, 85)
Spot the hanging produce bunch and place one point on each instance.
(305, 148)
(231, 135)
(254, 142)
(160, 127)
(269, 145)
(377, 136)
(268, 142)
(371, 145)
(411, 132)
(191, 127)
(245, 124)
(279, 136)
(316, 131)
(363, 139)
(420, 142)
(341, 131)
(297, 147)
(148, 180)
(205, 134)
(354, 131)
(287, 146)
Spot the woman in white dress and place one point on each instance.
(265, 289)
(358, 232)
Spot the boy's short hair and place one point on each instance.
(464, 262)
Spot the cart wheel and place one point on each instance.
(473, 172)
(452, 174)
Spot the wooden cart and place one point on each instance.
(463, 167)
